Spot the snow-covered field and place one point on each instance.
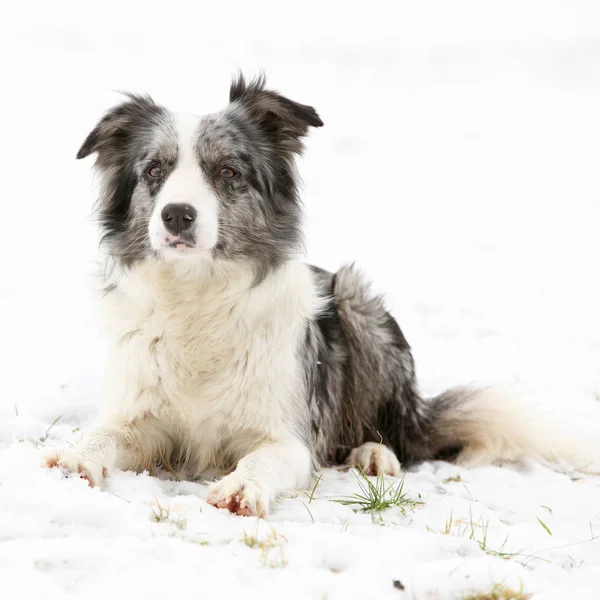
(458, 166)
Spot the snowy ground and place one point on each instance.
(458, 166)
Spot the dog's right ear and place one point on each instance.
(117, 126)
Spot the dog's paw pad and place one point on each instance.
(70, 463)
(238, 495)
(374, 459)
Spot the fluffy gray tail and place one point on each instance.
(492, 425)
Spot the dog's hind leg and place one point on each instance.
(374, 459)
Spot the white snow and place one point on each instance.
(458, 166)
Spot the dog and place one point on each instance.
(229, 354)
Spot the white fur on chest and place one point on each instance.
(212, 357)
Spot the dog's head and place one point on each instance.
(218, 186)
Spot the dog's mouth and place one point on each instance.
(179, 244)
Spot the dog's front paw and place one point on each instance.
(73, 463)
(239, 495)
(374, 459)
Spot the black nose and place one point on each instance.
(178, 217)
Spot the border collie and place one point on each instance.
(228, 354)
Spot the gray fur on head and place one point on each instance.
(258, 134)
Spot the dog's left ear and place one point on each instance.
(284, 120)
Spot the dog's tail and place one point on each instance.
(483, 426)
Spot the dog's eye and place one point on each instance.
(227, 173)
(155, 172)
